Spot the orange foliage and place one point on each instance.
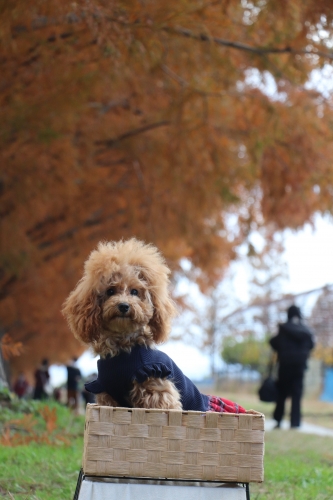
(139, 119)
(10, 348)
(25, 430)
(50, 417)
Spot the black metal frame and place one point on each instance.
(78, 485)
(82, 477)
(247, 487)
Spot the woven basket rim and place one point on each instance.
(253, 413)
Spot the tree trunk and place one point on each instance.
(3, 375)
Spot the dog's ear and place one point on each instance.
(160, 323)
(164, 307)
(83, 312)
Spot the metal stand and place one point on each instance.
(121, 488)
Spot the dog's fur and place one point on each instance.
(123, 300)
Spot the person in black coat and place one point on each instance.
(42, 377)
(73, 378)
(293, 344)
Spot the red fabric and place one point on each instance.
(222, 405)
(21, 387)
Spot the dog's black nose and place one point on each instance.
(123, 307)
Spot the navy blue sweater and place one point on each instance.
(116, 376)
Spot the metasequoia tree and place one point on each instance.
(151, 119)
(269, 271)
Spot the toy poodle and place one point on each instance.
(122, 309)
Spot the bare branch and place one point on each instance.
(174, 76)
(43, 21)
(109, 143)
(261, 51)
(265, 303)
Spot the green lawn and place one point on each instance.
(40, 471)
(297, 466)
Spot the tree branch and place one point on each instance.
(265, 303)
(261, 51)
(43, 21)
(108, 143)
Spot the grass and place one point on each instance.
(39, 471)
(297, 466)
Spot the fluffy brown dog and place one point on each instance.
(121, 308)
(122, 300)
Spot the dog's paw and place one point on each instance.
(104, 399)
(155, 393)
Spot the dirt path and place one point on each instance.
(305, 427)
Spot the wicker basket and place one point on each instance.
(173, 444)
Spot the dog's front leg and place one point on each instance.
(155, 393)
(104, 399)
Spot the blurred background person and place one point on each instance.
(293, 344)
(42, 378)
(73, 378)
(57, 394)
(21, 386)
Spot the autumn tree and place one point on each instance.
(153, 119)
(321, 321)
(268, 273)
(206, 324)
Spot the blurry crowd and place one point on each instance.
(72, 393)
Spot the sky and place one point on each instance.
(309, 257)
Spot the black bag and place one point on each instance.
(268, 391)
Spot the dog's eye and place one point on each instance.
(110, 291)
(134, 292)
